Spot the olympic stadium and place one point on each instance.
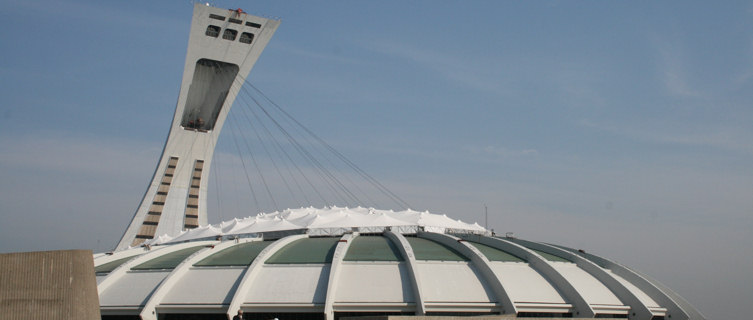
(330, 262)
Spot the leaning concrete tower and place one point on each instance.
(222, 48)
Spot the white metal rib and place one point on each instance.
(482, 264)
(639, 310)
(407, 251)
(334, 274)
(120, 271)
(677, 307)
(582, 308)
(149, 312)
(253, 270)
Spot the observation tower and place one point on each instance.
(333, 262)
(223, 46)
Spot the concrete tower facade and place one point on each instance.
(222, 48)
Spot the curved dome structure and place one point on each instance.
(328, 263)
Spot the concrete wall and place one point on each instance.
(48, 285)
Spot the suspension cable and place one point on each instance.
(334, 151)
(338, 182)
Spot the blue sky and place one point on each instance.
(622, 128)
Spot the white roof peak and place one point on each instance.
(327, 218)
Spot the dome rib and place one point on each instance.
(481, 263)
(120, 272)
(150, 306)
(334, 274)
(410, 259)
(640, 309)
(253, 270)
(582, 308)
(676, 305)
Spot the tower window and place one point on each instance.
(217, 17)
(246, 37)
(229, 34)
(213, 31)
(236, 21)
(253, 25)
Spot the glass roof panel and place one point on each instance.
(168, 261)
(550, 257)
(494, 254)
(112, 265)
(372, 248)
(429, 250)
(238, 255)
(308, 250)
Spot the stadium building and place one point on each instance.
(332, 262)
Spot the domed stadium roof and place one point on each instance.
(310, 263)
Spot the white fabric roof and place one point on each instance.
(321, 218)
